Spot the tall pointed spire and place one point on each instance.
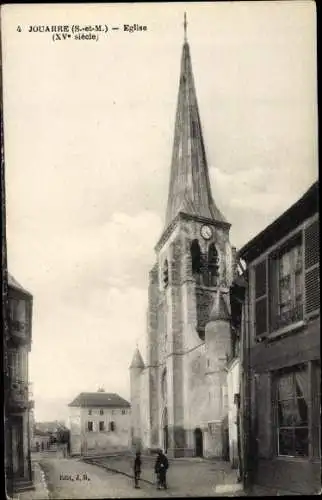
(189, 189)
(185, 24)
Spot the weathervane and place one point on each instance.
(185, 24)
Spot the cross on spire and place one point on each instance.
(185, 24)
(189, 187)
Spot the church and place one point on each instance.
(179, 394)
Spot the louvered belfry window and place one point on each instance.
(312, 275)
(261, 298)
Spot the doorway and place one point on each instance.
(198, 442)
(17, 447)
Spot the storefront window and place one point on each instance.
(292, 418)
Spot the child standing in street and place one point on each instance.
(137, 469)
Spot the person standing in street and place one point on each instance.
(137, 469)
(161, 467)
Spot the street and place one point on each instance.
(73, 478)
(70, 478)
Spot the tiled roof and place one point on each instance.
(302, 209)
(13, 283)
(99, 400)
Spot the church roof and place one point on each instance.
(99, 400)
(137, 361)
(189, 189)
(13, 283)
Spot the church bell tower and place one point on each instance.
(190, 281)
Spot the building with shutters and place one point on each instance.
(281, 376)
(17, 395)
(179, 394)
(99, 422)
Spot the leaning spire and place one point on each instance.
(189, 189)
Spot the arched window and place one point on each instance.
(196, 259)
(213, 264)
(165, 274)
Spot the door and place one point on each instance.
(198, 442)
(17, 447)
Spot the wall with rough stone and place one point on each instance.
(145, 409)
(195, 397)
(135, 386)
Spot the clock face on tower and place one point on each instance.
(206, 232)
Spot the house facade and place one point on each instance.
(17, 401)
(99, 422)
(281, 367)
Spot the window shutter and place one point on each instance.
(273, 293)
(261, 298)
(311, 261)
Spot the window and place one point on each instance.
(196, 260)
(123, 412)
(101, 426)
(90, 426)
(112, 426)
(290, 286)
(287, 282)
(89, 412)
(17, 310)
(101, 412)
(164, 385)
(292, 412)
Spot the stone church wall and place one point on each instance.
(144, 409)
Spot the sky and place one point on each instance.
(88, 140)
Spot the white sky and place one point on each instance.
(88, 139)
